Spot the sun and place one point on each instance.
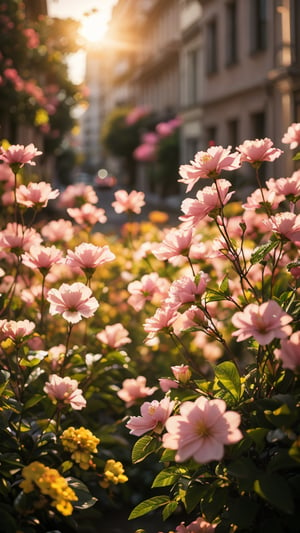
(94, 26)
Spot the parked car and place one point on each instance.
(104, 180)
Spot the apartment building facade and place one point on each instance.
(230, 68)
(251, 73)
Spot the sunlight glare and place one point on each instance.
(93, 27)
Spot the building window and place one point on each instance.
(231, 33)
(191, 148)
(211, 135)
(295, 30)
(192, 76)
(212, 47)
(258, 125)
(297, 106)
(233, 133)
(258, 30)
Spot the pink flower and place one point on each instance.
(186, 289)
(176, 243)
(289, 352)
(18, 239)
(207, 200)
(58, 230)
(136, 114)
(145, 290)
(132, 202)
(18, 154)
(164, 129)
(264, 322)
(88, 256)
(72, 301)
(42, 257)
(17, 330)
(197, 526)
(133, 389)
(145, 152)
(201, 430)
(193, 317)
(286, 224)
(150, 137)
(208, 165)
(259, 150)
(286, 186)
(182, 373)
(36, 194)
(292, 136)
(163, 318)
(114, 336)
(87, 214)
(65, 391)
(166, 384)
(32, 36)
(153, 417)
(260, 197)
(78, 195)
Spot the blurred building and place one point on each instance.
(91, 119)
(230, 68)
(191, 78)
(251, 75)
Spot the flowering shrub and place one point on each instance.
(57, 375)
(35, 88)
(226, 432)
(183, 342)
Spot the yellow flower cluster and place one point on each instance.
(113, 473)
(51, 484)
(82, 443)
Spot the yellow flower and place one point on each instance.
(50, 483)
(158, 217)
(113, 473)
(41, 117)
(82, 443)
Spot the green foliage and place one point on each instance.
(118, 137)
(35, 88)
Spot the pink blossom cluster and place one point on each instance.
(147, 150)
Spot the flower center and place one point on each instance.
(202, 430)
(205, 158)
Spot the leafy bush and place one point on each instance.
(187, 337)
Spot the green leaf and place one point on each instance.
(4, 379)
(245, 472)
(228, 379)
(167, 456)
(33, 362)
(36, 398)
(243, 511)
(168, 476)
(212, 504)
(260, 252)
(65, 466)
(148, 505)
(85, 499)
(144, 447)
(8, 523)
(258, 435)
(224, 287)
(274, 489)
(203, 385)
(193, 496)
(169, 509)
(284, 416)
(296, 157)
